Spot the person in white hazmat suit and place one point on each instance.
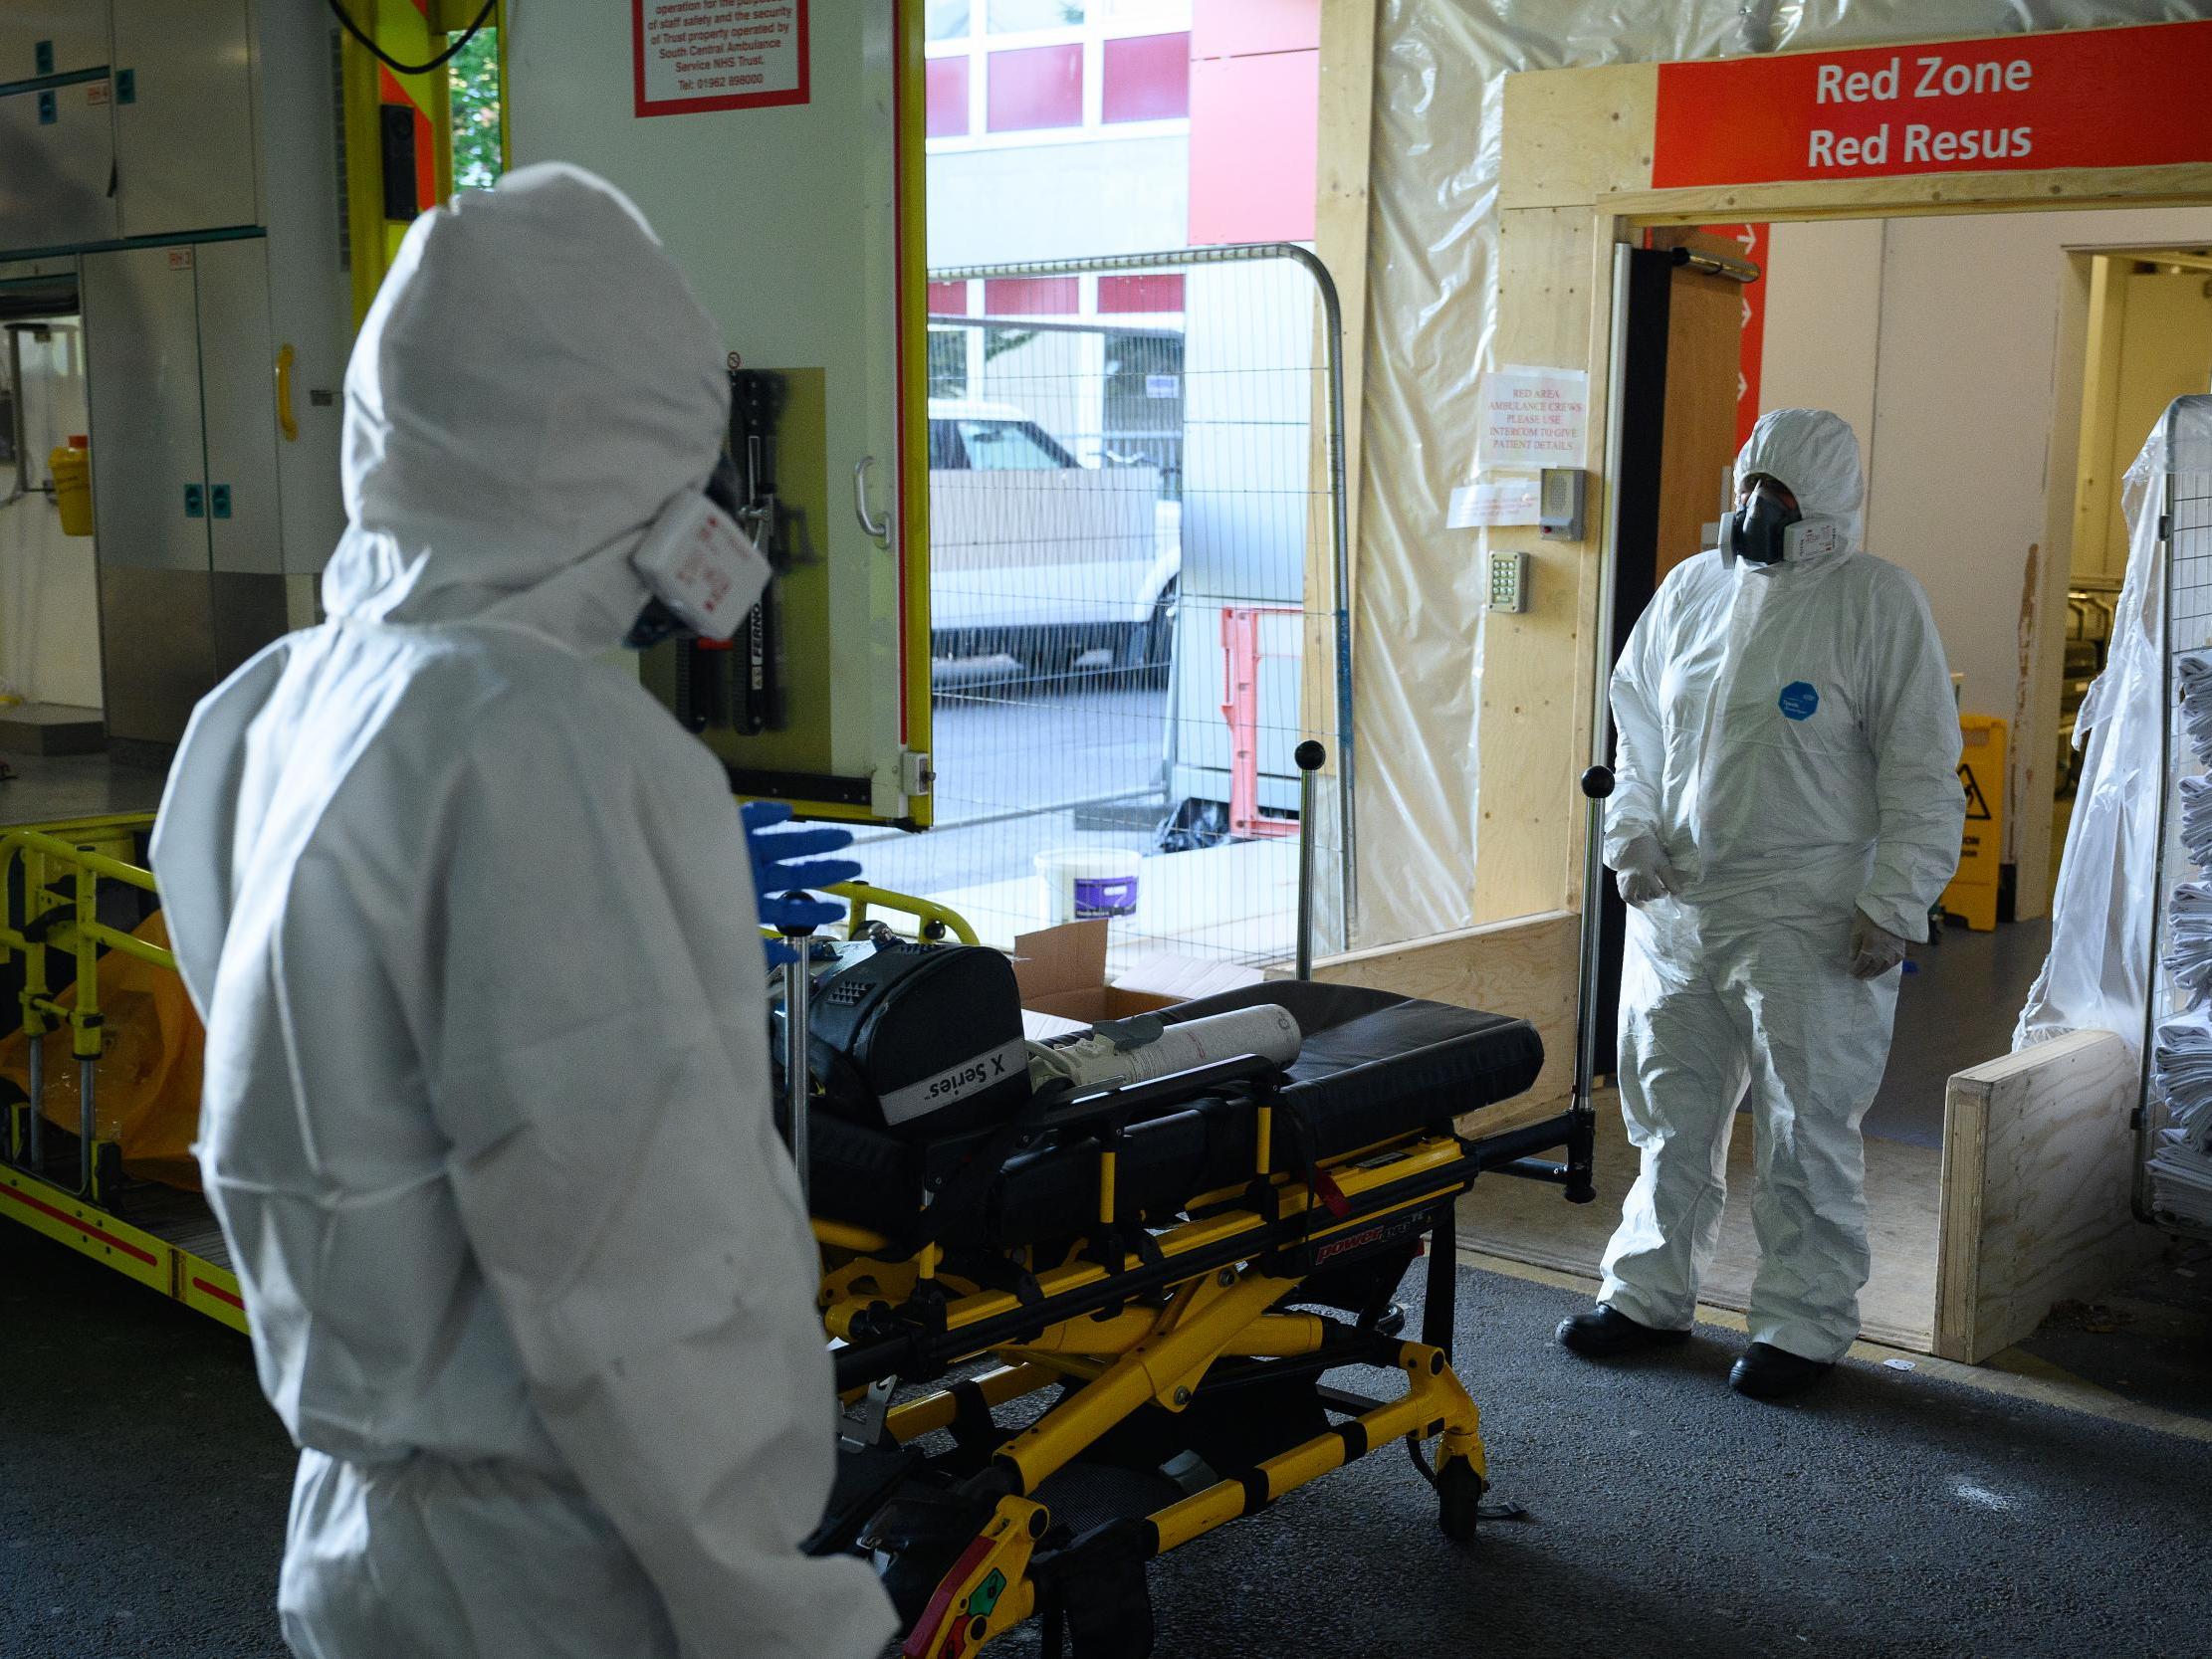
(1787, 809)
(487, 1112)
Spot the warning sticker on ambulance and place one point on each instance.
(693, 55)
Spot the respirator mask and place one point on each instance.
(703, 572)
(1768, 530)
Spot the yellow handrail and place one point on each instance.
(45, 854)
(862, 896)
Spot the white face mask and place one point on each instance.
(703, 572)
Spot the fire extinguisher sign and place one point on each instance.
(693, 55)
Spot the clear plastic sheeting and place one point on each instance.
(2096, 975)
(1431, 315)
(2175, 771)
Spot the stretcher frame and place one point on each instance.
(69, 1193)
(1139, 1318)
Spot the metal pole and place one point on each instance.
(1582, 1133)
(1340, 571)
(1596, 785)
(1310, 756)
(88, 1125)
(2147, 1107)
(38, 1103)
(798, 990)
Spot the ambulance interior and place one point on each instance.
(2002, 370)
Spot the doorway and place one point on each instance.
(50, 667)
(2146, 339)
(1965, 351)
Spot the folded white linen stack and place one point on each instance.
(2189, 936)
(2196, 820)
(2182, 1072)
(2193, 673)
(2181, 1179)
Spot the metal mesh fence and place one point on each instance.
(1135, 555)
(2174, 1126)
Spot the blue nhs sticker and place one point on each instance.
(1799, 701)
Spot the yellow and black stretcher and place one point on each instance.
(1069, 1339)
(1073, 1343)
(106, 1045)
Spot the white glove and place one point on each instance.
(1643, 873)
(1875, 951)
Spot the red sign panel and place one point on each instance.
(693, 55)
(2102, 98)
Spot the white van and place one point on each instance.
(1036, 555)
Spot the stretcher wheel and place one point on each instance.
(1459, 1500)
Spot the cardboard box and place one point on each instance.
(1061, 972)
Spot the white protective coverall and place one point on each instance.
(487, 1118)
(1787, 733)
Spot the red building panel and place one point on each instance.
(1254, 147)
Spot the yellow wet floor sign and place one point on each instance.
(1972, 894)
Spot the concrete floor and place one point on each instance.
(144, 1488)
(1956, 1010)
(52, 788)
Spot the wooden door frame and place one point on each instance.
(1575, 181)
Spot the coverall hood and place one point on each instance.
(533, 384)
(1816, 455)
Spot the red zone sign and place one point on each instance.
(2095, 97)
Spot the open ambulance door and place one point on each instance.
(776, 147)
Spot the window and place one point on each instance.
(1009, 17)
(1147, 78)
(1144, 404)
(1162, 293)
(1039, 85)
(946, 20)
(945, 455)
(1033, 296)
(1010, 447)
(1001, 71)
(948, 367)
(944, 102)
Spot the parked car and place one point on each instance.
(1038, 557)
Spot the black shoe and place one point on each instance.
(1767, 1373)
(1603, 1332)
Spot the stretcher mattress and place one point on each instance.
(1375, 1065)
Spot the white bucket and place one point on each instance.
(1083, 883)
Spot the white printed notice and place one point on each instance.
(693, 55)
(1532, 417)
(1514, 499)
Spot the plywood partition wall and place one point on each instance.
(2039, 1163)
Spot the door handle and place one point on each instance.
(196, 501)
(285, 424)
(877, 530)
